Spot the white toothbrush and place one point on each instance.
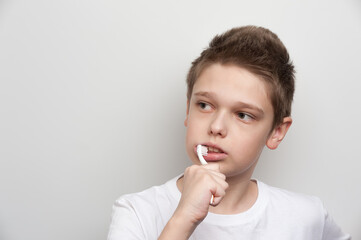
(203, 151)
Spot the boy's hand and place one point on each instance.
(199, 184)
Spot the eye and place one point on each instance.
(204, 106)
(244, 116)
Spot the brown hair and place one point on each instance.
(261, 52)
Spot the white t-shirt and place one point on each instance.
(276, 214)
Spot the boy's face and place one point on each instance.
(230, 110)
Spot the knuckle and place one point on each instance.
(195, 171)
(206, 178)
(222, 193)
(191, 168)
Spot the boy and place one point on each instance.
(239, 99)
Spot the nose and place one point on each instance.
(218, 125)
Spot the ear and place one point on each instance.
(278, 133)
(186, 120)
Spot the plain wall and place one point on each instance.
(92, 104)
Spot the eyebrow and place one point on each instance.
(205, 94)
(242, 104)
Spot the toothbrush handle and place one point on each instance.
(204, 162)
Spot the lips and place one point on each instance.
(215, 153)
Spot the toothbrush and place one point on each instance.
(202, 150)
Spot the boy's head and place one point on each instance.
(259, 51)
(240, 92)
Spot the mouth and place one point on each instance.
(213, 148)
(215, 153)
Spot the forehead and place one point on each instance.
(230, 83)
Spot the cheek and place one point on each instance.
(195, 124)
(195, 133)
(190, 143)
(249, 143)
(192, 132)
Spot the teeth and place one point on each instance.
(212, 149)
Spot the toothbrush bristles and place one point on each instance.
(204, 150)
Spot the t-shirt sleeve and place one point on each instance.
(125, 223)
(331, 231)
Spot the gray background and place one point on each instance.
(92, 103)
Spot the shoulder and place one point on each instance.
(143, 215)
(292, 198)
(149, 198)
(299, 214)
(293, 204)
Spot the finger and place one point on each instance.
(218, 175)
(217, 196)
(212, 166)
(219, 178)
(216, 201)
(218, 189)
(207, 176)
(221, 182)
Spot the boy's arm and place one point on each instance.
(177, 228)
(199, 184)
